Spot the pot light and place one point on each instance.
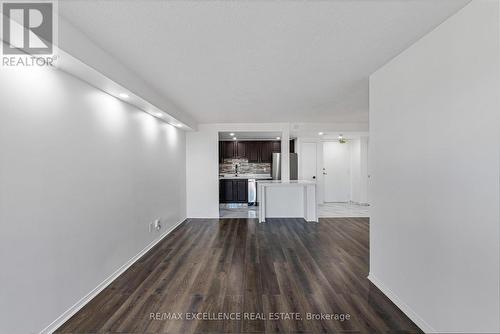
(231, 134)
(341, 139)
(123, 95)
(320, 133)
(278, 138)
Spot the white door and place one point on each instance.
(337, 172)
(308, 161)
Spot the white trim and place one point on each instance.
(424, 326)
(88, 297)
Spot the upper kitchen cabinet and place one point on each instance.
(241, 149)
(221, 152)
(266, 151)
(253, 151)
(233, 149)
(229, 149)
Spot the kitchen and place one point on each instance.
(245, 159)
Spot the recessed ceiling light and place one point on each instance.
(123, 95)
(278, 138)
(320, 133)
(231, 134)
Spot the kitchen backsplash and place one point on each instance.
(244, 167)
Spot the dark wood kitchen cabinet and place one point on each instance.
(253, 151)
(241, 191)
(241, 149)
(233, 150)
(221, 152)
(229, 149)
(233, 191)
(267, 150)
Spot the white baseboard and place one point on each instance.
(424, 326)
(87, 298)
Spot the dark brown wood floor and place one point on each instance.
(248, 270)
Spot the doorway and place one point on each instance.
(337, 171)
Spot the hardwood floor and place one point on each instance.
(247, 269)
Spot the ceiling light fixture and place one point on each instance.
(341, 139)
(320, 133)
(234, 138)
(123, 95)
(232, 134)
(179, 125)
(278, 138)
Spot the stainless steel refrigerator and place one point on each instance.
(276, 166)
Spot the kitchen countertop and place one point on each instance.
(291, 182)
(245, 176)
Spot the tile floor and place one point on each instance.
(327, 210)
(333, 210)
(238, 211)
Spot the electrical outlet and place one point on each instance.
(157, 225)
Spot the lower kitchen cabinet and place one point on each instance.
(233, 191)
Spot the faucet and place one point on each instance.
(236, 169)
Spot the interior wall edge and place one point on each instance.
(410, 313)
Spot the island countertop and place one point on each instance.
(284, 183)
(287, 199)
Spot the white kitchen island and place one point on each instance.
(287, 199)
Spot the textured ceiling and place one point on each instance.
(259, 61)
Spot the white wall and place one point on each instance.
(434, 163)
(82, 174)
(355, 169)
(202, 163)
(359, 170)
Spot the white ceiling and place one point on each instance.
(259, 61)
